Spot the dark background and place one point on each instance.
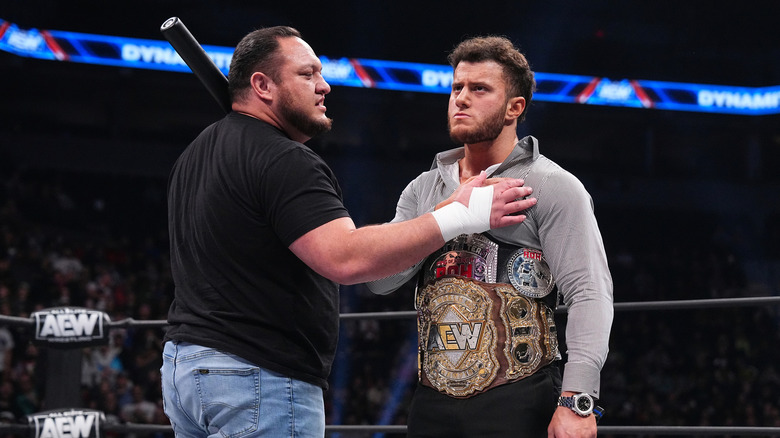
(688, 203)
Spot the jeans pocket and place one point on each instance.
(230, 399)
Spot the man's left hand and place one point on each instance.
(566, 424)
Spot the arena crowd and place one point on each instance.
(99, 242)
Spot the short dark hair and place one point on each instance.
(256, 52)
(517, 72)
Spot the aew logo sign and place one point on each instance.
(71, 327)
(454, 336)
(83, 423)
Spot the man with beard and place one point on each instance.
(260, 239)
(488, 350)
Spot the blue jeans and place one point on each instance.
(208, 393)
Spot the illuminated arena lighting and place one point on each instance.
(401, 76)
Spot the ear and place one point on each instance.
(515, 107)
(262, 85)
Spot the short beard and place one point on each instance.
(306, 125)
(487, 131)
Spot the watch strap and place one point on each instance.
(571, 401)
(566, 401)
(598, 412)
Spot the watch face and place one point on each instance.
(584, 404)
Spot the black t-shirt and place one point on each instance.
(238, 196)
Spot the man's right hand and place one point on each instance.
(509, 198)
(477, 206)
(339, 251)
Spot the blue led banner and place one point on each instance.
(100, 49)
(400, 76)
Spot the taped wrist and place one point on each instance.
(456, 219)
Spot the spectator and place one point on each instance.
(8, 409)
(686, 391)
(139, 410)
(6, 352)
(27, 399)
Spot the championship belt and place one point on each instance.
(468, 255)
(475, 334)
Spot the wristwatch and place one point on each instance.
(581, 404)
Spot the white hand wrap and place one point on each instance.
(455, 219)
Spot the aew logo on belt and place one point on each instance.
(461, 336)
(454, 335)
(71, 423)
(71, 327)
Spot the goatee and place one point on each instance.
(489, 130)
(304, 123)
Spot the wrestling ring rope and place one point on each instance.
(64, 363)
